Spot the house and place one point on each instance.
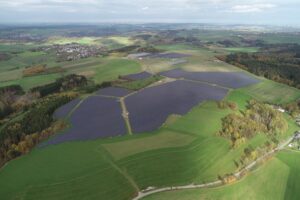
(297, 135)
(281, 110)
(278, 108)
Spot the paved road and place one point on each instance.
(215, 183)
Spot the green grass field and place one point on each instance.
(24, 59)
(243, 49)
(160, 139)
(79, 170)
(32, 81)
(139, 84)
(111, 42)
(69, 40)
(15, 48)
(111, 68)
(96, 68)
(272, 92)
(199, 60)
(280, 38)
(277, 179)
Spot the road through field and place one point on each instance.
(238, 174)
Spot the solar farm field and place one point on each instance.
(95, 117)
(65, 110)
(101, 115)
(138, 76)
(149, 109)
(226, 79)
(106, 114)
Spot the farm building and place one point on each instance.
(297, 135)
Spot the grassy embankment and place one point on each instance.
(277, 180)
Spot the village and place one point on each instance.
(74, 51)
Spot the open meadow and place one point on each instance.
(276, 179)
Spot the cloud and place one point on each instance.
(250, 8)
(45, 3)
(149, 10)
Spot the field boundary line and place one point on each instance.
(125, 115)
(187, 148)
(105, 96)
(76, 107)
(107, 156)
(197, 81)
(207, 83)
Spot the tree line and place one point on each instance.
(279, 63)
(62, 84)
(258, 118)
(24, 131)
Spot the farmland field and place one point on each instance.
(140, 83)
(33, 81)
(62, 40)
(163, 138)
(113, 91)
(269, 91)
(140, 107)
(245, 49)
(112, 68)
(47, 174)
(98, 69)
(274, 180)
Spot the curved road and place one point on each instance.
(215, 183)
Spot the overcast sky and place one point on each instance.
(276, 12)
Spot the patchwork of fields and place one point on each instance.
(121, 141)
